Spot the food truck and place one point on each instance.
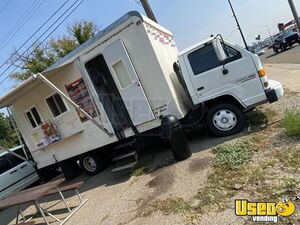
(118, 87)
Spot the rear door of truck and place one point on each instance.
(128, 83)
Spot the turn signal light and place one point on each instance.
(262, 72)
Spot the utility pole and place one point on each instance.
(238, 25)
(148, 10)
(294, 11)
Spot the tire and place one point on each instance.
(225, 119)
(275, 50)
(282, 47)
(92, 164)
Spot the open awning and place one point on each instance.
(26, 86)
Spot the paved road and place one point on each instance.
(291, 55)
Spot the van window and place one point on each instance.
(232, 54)
(15, 161)
(56, 105)
(203, 59)
(5, 164)
(33, 117)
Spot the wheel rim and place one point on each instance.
(89, 164)
(224, 120)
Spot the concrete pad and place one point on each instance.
(287, 74)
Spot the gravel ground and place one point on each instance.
(117, 198)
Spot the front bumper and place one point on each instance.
(275, 92)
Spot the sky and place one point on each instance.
(190, 21)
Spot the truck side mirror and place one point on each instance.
(220, 52)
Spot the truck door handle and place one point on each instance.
(12, 172)
(23, 166)
(200, 88)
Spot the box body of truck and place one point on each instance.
(123, 77)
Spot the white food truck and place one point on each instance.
(117, 87)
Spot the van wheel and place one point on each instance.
(92, 164)
(225, 119)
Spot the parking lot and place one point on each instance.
(291, 55)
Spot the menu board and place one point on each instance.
(79, 94)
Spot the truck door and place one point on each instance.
(128, 83)
(206, 74)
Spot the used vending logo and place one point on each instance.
(264, 211)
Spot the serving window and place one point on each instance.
(33, 117)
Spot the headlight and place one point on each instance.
(284, 41)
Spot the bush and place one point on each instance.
(291, 122)
(233, 155)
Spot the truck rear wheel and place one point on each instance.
(225, 119)
(92, 164)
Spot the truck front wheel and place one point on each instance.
(225, 119)
(92, 164)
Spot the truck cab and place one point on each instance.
(228, 79)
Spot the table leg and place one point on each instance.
(41, 211)
(79, 196)
(22, 214)
(17, 217)
(64, 200)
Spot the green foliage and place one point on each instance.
(140, 171)
(171, 205)
(234, 154)
(289, 157)
(8, 137)
(82, 31)
(63, 46)
(43, 56)
(291, 122)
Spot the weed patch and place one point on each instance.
(289, 157)
(291, 122)
(140, 171)
(233, 155)
(171, 205)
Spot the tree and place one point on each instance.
(45, 55)
(8, 137)
(82, 31)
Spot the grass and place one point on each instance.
(291, 122)
(235, 172)
(171, 205)
(289, 157)
(140, 171)
(233, 155)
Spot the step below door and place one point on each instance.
(128, 83)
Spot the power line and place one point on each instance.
(44, 39)
(36, 41)
(5, 6)
(21, 22)
(28, 39)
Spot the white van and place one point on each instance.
(15, 174)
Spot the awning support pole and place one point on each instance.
(16, 131)
(54, 88)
